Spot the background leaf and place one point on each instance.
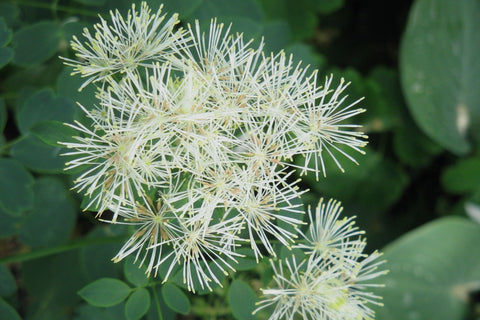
(7, 282)
(7, 311)
(105, 292)
(241, 299)
(137, 304)
(439, 70)
(175, 298)
(36, 43)
(433, 270)
(16, 194)
(134, 273)
(52, 132)
(53, 215)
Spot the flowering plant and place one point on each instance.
(196, 142)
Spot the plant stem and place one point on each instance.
(157, 304)
(39, 253)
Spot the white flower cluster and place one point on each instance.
(330, 280)
(193, 141)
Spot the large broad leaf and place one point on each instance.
(439, 70)
(433, 270)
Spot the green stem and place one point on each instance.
(39, 253)
(43, 5)
(157, 304)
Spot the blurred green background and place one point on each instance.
(416, 191)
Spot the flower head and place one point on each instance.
(331, 282)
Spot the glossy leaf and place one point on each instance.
(433, 269)
(52, 217)
(36, 43)
(175, 298)
(241, 299)
(137, 304)
(16, 194)
(105, 292)
(439, 70)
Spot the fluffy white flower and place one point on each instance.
(124, 44)
(333, 280)
(193, 142)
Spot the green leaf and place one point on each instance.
(137, 304)
(6, 55)
(134, 273)
(38, 156)
(67, 86)
(52, 132)
(184, 8)
(93, 256)
(175, 298)
(7, 282)
(53, 281)
(463, 176)
(9, 12)
(158, 306)
(241, 299)
(105, 292)
(307, 55)
(9, 225)
(247, 262)
(328, 6)
(433, 269)
(16, 194)
(44, 105)
(36, 43)
(7, 311)
(386, 181)
(53, 215)
(89, 312)
(5, 33)
(439, 70)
